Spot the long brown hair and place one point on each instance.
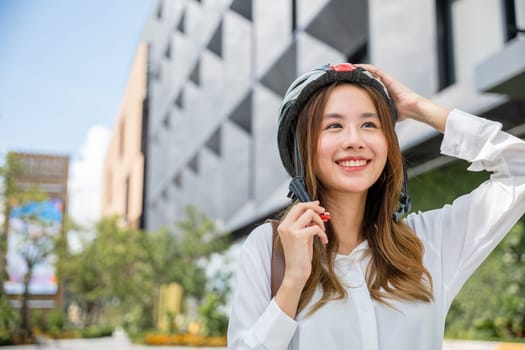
(396, 269)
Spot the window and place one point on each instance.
(159, 10)
(109, 187)
(126, 200)
(514, 16)
(166, 122)
(122, 134)
(445, 44)
(167, 52)
(294, 16)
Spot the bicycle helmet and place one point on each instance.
(296, 97)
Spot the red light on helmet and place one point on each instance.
(342, 67)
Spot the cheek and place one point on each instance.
(323, 147)
(323, 154)
(327, 144)
(381, 150)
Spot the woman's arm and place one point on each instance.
(464, 233)
(256, 321)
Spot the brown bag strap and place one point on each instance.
(278, 263)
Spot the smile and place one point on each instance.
(353, 163)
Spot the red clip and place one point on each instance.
(325, 216)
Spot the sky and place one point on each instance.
(64, 65)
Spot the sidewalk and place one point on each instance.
(122, 343)
(480, 345)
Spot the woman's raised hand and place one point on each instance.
(408, 103)
(404, 98)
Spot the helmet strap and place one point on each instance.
(297, 185)
(404, 199)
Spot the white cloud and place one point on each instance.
(85, 180)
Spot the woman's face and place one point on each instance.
(352, 147)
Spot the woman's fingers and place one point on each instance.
(315, 230)
(308, 218)
(378, 73)
(304, 219)
(298, 209)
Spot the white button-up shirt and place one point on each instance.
(457, 238)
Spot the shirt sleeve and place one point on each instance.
(464, 233)
(256, 321)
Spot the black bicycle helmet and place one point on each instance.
(295, 98)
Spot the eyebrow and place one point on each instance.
(339, 116)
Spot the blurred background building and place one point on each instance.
(218, 69)
(123, 187)
(27, 215)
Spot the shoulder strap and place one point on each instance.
(278, 263)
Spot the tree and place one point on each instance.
(35, 234)
(35, 246)
(7, 315)
(110, 271)
(121, 268)
(181, 256)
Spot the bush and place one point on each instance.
(215, 322)
(8, 321)
(56, 322)
(96, 331)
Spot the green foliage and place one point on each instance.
(8, 317)
(513, 301)
(37, 244)
(439, 187)
(181, 256)
(195, 241)
(115, 277)
(36, 235)
(492, 302)
(8, 321)
(97, 331)
(215, 321)
(112, 268)
(56, 322)
(212, 308)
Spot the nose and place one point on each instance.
(353, 139)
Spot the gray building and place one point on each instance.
(219, 68)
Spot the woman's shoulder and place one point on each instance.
(260, 239)
(423, 223)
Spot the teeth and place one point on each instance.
(350, 163)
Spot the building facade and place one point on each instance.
(218, 70)
(36, 204)
(123, 187)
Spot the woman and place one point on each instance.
(368, 279)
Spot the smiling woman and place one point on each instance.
(369, 278)
(352, 146)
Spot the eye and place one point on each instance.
(370, 125)
(333, 126)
